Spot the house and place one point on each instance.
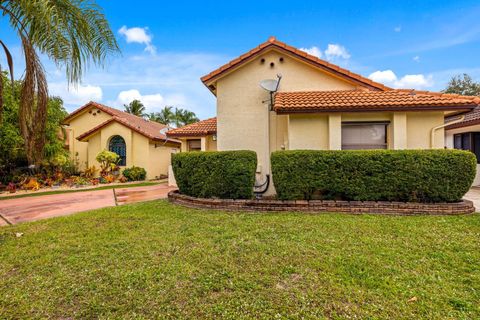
(465, 135)
(95, 127)
(198, 136)
(316, 105)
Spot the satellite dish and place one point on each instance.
(164, 130)
(269, 84)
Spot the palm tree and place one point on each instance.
(164, 116)
(184, 117)
(136, 108)
(73, 34)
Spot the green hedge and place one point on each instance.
(219, 174)
(374, 175)
(135, 173)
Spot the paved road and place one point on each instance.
(42, 207)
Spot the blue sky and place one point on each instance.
(167, 46)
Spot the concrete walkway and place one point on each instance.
(19, 210)
(474, 195)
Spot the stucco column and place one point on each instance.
(203, 143)
(335, 131)
(399, 128)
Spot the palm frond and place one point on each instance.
(73, 33)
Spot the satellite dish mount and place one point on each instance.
(271, 85)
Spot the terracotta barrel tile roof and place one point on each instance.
(472, 118)
(201, 128)
(150, 129)
(274, 43)
(368, 100)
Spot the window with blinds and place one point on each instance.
(194, 145)
(364, 135)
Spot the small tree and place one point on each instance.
(136, 108)
(184, 117)
(464, 85)
(164, 116)
(108, 161)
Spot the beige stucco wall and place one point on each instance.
(405, 130)
(308, 131)
(141, 152)
(419, 129)
(159, 160)
(80, 124)
(207, 143)
(242, 118)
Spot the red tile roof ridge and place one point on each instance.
(272, 41)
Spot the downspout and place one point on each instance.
(432, 137)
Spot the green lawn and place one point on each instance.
(157, 260)
(100, 187)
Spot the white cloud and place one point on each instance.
(389, 78)
(336, 51)
(138, 35)
(386, 76)
(414, 81)
(78, 95)
(150, 101)
(314, 51)
(416, 58)
(397, 29)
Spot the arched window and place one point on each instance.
(117, 145)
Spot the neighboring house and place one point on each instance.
(198, 136)
(465, 135)
(319, 106)
(139, 142)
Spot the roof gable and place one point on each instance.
(150, 129)
(273, 44)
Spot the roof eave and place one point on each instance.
(375, 109)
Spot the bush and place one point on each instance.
(219, 174)
(374, 175)
(108, 161)
(134, 173)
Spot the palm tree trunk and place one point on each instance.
(33, 105)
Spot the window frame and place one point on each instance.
(194, 140)
(363, 123)
(466, 141)
(123, 157)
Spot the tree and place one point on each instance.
(73, 34)
(12, 151)
(164, 116)
(136, 108)
(464, 85)
(184, 117)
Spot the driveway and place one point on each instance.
(474, 195)
(19, 210)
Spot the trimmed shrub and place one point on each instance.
(218, 174)
(134, 173)
(374, 175)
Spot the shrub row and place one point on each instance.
(374, 175)
(225, 174)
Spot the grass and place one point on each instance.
(157, 260)
(103, 187)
